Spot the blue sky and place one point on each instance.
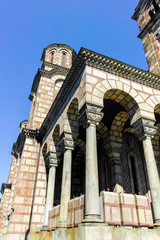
(27, 26)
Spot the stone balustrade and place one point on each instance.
(75, 211)
(119, 209)
(126, 209)
(53, 218)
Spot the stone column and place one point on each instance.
(91, 117)
(145, 130)
(68, 146)
(52, 162)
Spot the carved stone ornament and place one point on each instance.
(91, 114)
(30, 133)
(144, 128)
(67, 141)
(94, 118)
(51, 159)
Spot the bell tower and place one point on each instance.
(147, 14)
(56, 61)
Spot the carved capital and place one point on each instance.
(67, 142)
(91, 114)
(144, 128)
(52, 159)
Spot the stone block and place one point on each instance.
(53, 217)
(111, 208)
(91, 79)
(128, 210)
(144, 212)
(99, 73)
(70, 220)
(78, 210)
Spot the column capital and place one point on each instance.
(67, 142)
(52, 159)
(90, 114)
(144, 128)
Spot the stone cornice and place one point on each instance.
(18, 145)
(5, 186)
(149, 25)
(30, 133)
(120, 69)
(99, 61)
(138, 8)
(56, 69)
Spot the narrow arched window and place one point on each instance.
(52, 57)
(63, 59)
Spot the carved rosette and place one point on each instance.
(51, 159)
(91, 115)
(144, 128)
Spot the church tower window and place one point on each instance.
(63, 59)
(52, 57)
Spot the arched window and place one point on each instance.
(63, 59)
(52, 57)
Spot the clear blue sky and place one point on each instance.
(27, 26)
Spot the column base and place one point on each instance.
(62, 224)
(44, 228)
(92, 219)
(157, 224)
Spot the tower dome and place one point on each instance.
(59, 54)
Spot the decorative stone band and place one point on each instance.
(5, 186)
(119, 68)
(56, 69)
(144, 128)
(18, 146)
(91, 114)
(52, 159)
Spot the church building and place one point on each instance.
(86, 163)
